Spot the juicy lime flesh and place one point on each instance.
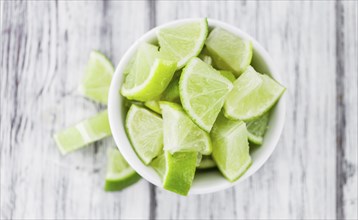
(182, 42)
(206, 163)
(171, 93)
(119, 174)
(252, 96)
(159, 165)
(181, 134)
(228, 75)
(230, 147)
(256, 129)
(153, 105)
(180, 171)
(97, 78)
(202, 92)
(83, 133)
(145, 131)
(229, 51)
(149, 76)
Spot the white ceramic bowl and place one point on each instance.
(204, 182)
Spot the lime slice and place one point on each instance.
(181, 134)
(202, 92)
(149, 75)
(158, 165)
(206, 163)
(119, 174)
(171, 94)
(183, 41)
(180, 171)
(204, 56)
(229, 51)
(252, 96)
(230, 147)
(153, 105)
(83, 133)
(228, 75)
(97, 78)
(257, 128)
(145, 130)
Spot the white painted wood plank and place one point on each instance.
(46, 45)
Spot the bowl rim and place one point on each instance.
(116, 120)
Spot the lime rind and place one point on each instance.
(177, 33)
(97, 78)
(204, 115)
(85, 132)
(145, 131)
(119, 174)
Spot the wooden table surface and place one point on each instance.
(45, 44)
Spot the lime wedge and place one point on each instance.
(171, 94)
(119, 174)
(180, 171)
(181, 134)
(149, 75)
(228, 75)
(206, 163)
(252, 96)
(183, 41)
(153, 105)
(83, 133)
(202, 92)
(97, 78)
(256, 129)
(145, 130)
(158, 165)
(229, 51)
(230, 147)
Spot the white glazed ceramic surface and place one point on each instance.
(204, 182)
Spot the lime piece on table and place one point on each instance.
(180, 171)
(83, 133)
(183, 41)
(119, 174)
(206, 163)
(256, 129)
(153, 105)
(228, 75)
(180, 133)
(158, 165)
(171, 94)
(202, 92)
(229, 51)
(230, 147)
(252, 96)
(97, 78)
(145, 131)
(149, 76)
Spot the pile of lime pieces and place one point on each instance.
(195, 102)
(95, 86)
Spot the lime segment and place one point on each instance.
(183, 41)
(180, 171)
(229, 51)
(228, 75)
(252, 96)
(171, 94)
(119, 174)
(153, 105)
(83, 133)
(256, 129)
(230, 147)
(159, 165)
(145, 130)
(202, 92)
(149, 75)
(97, 78)
(181, 134)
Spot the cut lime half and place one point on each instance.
(119, 174)
(83, 133)
(145, 131)
(97, 78)
(183, 41)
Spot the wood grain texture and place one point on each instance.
(44, 46)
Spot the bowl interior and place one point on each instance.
(208, 181)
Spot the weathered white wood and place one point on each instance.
(44, 46)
